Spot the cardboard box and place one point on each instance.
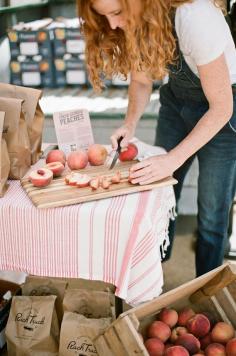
(68, 40)
(71, 71)
(32, 73)
(214, 292)
(6, 286)
(30, 43)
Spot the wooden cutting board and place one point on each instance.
(58, 194)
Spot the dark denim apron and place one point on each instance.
(183, 103)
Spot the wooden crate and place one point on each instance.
(214, 292)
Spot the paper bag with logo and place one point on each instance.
(77, 334)
(16, 136)
(33, 114)
(46, 286)
(4, 158)
(32, 327)
(92, 304)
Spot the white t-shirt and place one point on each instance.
(204, 35)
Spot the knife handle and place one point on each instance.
(119, 142)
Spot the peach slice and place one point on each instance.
(116, 178)
(41, 177)
(74, 177)
(105, 183)
(56, 167)
(94, 183)
(83, 181)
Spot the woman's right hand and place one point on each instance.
(126, 131)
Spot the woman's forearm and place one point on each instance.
(207, 127)
(139, 96)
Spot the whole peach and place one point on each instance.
(176, 332)
(155, 347)
(168, 316)
(77, 159)
(159, 330)
(222, 332)
(205, 341)
(231, 347)
(129, 153)
(97, 154)
(190, 342)
(198, 325)
(176, 351)
(210, 317)
(215, 349)
(56, 156)
(184, 315)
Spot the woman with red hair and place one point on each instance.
(191, 42)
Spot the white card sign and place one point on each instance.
(73, 130)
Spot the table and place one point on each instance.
(115, 240)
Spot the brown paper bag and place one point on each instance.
(4, 158)
(16, 136)
(33, 114)
(42, 286)
(32, 327)
(91, 304)
(78, 333)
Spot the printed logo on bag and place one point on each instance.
(82, 346)
(30, 319)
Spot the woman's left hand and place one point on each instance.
(153, 169)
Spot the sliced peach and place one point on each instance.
(83, 181)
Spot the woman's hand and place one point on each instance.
(153, 169)
(126, 131)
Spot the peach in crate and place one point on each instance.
(213, 294)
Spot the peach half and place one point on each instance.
(56, 167)
(41, 177)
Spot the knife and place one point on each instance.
(116, 153)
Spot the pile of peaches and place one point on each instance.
(187, 333)
(96, 155)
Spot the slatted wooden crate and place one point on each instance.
(214, 292)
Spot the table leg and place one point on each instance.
(118, 306)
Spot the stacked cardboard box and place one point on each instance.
(69, 49)
(31, 54)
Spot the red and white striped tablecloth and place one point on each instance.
(116, 240)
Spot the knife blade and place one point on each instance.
(115, 158)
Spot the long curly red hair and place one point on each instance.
(148, 47)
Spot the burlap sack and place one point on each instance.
(77, 334)
(4, 158)
(32, 327)
(16, 136)
(33, 114)
(91, 304)
(42, 286)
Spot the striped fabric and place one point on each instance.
(116, 240)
